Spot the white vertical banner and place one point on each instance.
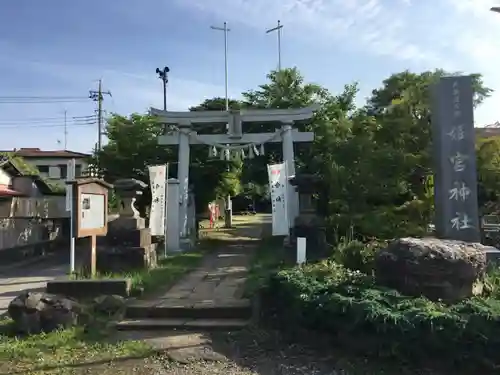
(70, 176)
(279, 198)
(158, 180)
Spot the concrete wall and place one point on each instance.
(50, 207)
(16, 232)
(26, 185)
(25, 238)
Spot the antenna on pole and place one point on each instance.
(278, 30)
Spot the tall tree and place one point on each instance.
(132, 147)
(212, 177)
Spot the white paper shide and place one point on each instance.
(278, 186)
(157, 177)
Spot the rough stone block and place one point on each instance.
(126, 223)
(125, 258)
(127, 237)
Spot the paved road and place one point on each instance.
(15, 280)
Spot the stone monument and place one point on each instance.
(455, 177)
(128, 244)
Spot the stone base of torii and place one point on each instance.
(184, 136)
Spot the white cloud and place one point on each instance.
(458, 35)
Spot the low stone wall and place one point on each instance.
(90, 288)
(23, 238)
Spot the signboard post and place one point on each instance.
(455, 175)
(157, 222)
(90, 212)
(69, 207)
(278, 182)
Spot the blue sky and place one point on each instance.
(61, 48)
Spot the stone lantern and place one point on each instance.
(309, 223)
(128, 242)
(128, 190)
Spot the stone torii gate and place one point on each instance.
(184, 136)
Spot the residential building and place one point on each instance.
(13, 183)
(488, 131)
(32, 215)
(53, 165)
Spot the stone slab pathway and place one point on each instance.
(220, 278)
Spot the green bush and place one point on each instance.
(356, 255)
(377, 321)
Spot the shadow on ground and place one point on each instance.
(257, 351)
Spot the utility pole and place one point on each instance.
(98, 96)
(278, 30)
(229, 211)
(225, 30)
(163, 75)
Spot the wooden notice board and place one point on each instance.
(90, 211)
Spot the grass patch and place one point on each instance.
(169, 269)
(267, 260)
(62, 351)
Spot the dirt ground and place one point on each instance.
(244, 353)
(249, 352)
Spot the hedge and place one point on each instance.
(377, 321)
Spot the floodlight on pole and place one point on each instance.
(163, 75)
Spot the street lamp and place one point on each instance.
(163, 75)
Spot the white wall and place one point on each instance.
(54, 166)
(5, 178)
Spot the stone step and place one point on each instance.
(182, 324)
(177, 309)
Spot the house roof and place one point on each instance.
(56, 154)
(9, 167)
(488, 132)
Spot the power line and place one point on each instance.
(46, 119)
(58, 121)
(42, 97)
(36, 126)
(41, 101)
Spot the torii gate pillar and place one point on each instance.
(183, 177)
(289, 159)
